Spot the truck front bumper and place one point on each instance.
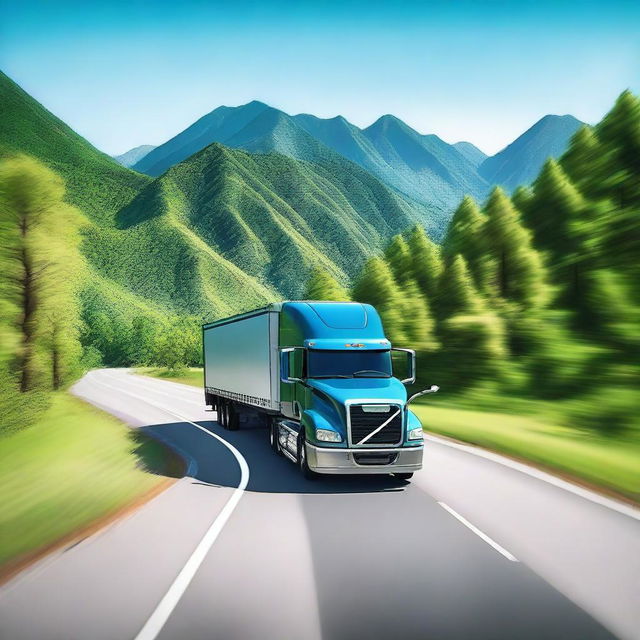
(392, 460)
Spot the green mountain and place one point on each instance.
(154, 268)
(274, 216)
(222, 231)
(129, 158)
(520, 162)
(422, 168)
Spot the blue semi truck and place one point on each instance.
(320, 375)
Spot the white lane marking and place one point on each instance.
(382, 426)
(603, 501)
(169, 601)
(479, 533)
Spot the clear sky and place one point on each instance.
(130, 73)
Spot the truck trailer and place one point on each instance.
(320, 377)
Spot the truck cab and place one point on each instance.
(343, 410)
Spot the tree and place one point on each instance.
(472, 338)
(514, 267)
(619, 137)
(465, 237)
(558, 214)
(581, 159)
(398, 257)
(426, 262)
(323, 286)
(40, 268)
(418, 325)
(376, 286)
(457, 294)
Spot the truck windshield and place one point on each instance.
(348, 364)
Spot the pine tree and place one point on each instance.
(456, 293)
(619, 137)
(323, 286)
(377, 286)
(581, 159)
(418, 325)
(472, 338)
(39, 271)
(553, 212)
(521, 198)
(398, 257)
(426, 262)
(618, 179)
(515, 268)
(465, 237)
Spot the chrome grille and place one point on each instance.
(366, 418)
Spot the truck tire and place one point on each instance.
(233, 419)
(404, 476)
(222, 413)
(302, 458)
(273, 436)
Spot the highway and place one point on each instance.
(243, 547)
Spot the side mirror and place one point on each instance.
(434, 388)
(411, 364)
(287, 364)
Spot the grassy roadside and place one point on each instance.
(192, 376)
(75, 465)
(611, 463)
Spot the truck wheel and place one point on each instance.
(302, 458)
(273, 436)
(403, 476)
(222, 413)
(233, 419)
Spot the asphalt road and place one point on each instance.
(474, 547)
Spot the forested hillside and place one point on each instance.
(534, 296)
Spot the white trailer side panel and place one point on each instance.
(241, 360)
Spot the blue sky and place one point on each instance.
(130, 73)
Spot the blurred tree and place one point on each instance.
(515, 268)
(426, 262)
(456, 293)
(323, 286)
(465, 237)
(581, 158)
(418, 324)
(398, 257)
(556, 214)
(619, 137)
(377, 286)
(40, 270)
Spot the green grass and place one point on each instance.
(609, 462)
(192, 376)
(73, 466)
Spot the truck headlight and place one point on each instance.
(325, 435)
(415, 434)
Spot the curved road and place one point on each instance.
(474, 547)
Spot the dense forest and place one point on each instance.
(533, 295)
